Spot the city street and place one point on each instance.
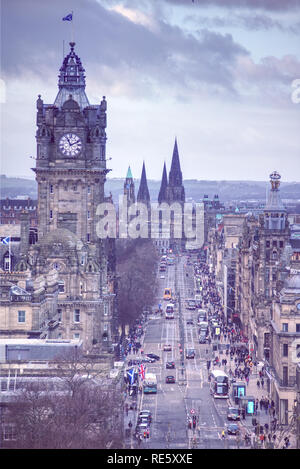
(189, 396)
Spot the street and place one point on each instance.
(176, 403)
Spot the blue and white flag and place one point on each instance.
(69, 17)
(5, 241)
(130, 374)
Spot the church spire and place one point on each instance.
(143, 193)
(129, 187)
(175, 175)
(175, 190)
(71, 80)
(162, 196)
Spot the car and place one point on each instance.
(141, 428)
(167, 348)
(170, 379)
(153, 355)
(170, 365)
(190, 353)
(233, 413)
(202, 339)
(145, 412)
(190, 321)
(148, 360)
(143, 419)
(233, 429)
(162, 277)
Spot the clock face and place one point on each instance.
(70, 145)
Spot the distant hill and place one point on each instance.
(227, 191)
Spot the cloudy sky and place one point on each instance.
(216, 74)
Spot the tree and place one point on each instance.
(137, 281)
(76, 409)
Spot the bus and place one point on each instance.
(169, 314)
(167, 294)
(219, 384)
(150, 383)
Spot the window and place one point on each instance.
(285, 327)
(89, 214)
(77, 315)
(76, 335)
(267, 244)
(297, 327)
(21, 316)
(88, 237)
(51, 214)
(89, 189)
(51, 188)
(61, 287)
(285, 350)
(59, 315)
(105, 311)
(285, 376)
(9, 432)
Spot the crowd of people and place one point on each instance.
(238, 360)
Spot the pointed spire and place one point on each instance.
(143, 193)
(162, 196)
(71, 80)
(129, 174)
(175, 174)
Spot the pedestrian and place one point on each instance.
(262, 382)
(258, 383)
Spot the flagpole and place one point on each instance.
(72, 27)
(9, 254)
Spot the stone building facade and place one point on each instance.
(70, 173)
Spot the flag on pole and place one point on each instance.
(5, 241)
(142, 370)
(69, 17)
(130, 374)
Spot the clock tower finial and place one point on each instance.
(71, 80)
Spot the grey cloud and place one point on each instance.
(250, 21)
(271, 5)
(33, 32)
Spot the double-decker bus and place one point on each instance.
(219, 384)
(150, 383)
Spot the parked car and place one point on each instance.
(233, 429)
(167, 348)
(170, 365)
(141, 428)
(233, 413)
(153, 355)
(143, 419)
(170, 379)
(190, 321)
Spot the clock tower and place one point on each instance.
(71, 155)
(70, 173)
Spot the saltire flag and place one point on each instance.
(130, 374)
(69, 17)
(5, 241)
(142, 370)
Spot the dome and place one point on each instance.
(61, 238)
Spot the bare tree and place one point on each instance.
(74, 409)
(136, 270)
